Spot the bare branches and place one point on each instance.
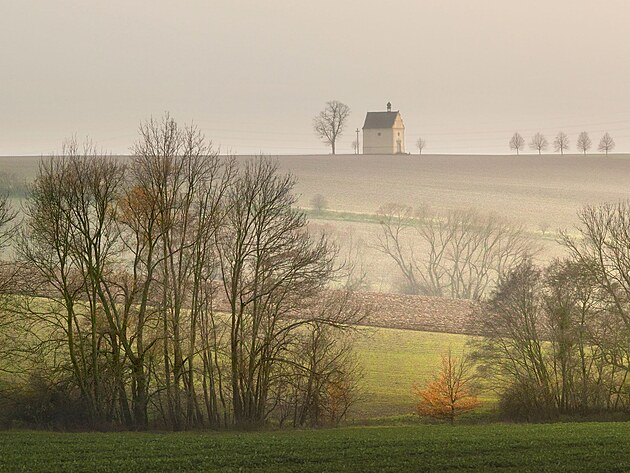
(123, 264)
(7, 215)
(331, 122)
(171, 213)
(319, 203)
(551, 342)
(270, 268)
(561, 142)
(604, 249)
(420, 144)
(538, 143)
(517, 142)
(71, 243)
(583, 142)
(606, 144)
(559, 337)
(460, 254)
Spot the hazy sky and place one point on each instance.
(465, 74)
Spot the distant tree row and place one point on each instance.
(330, 123)
(469, 252)
(539, 143)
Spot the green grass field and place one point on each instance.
(586, 447)
(393, 361)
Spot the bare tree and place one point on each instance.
(466, 252)
(324, 375)
(543, 227)
(70, 243)
(584, 142)
(561, 143)
(517, 142)
(548, 343)
(331, 121)
(538, 143)
(352, 273)
(319, 203)
(272, 273)
(511, 354)
(173, 209)
(125, 256)
(420, 144)
(7, 215)
(606, 144)
(8, 271)
(604, 249)
(574, 324)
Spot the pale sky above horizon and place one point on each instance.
(465, 74)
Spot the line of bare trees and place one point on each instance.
(179, 289)
(561, 143)
(459, 254)
(556, 339)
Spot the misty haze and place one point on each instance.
(314, 236)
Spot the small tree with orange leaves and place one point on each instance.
(449, 394)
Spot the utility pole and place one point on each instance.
(357, 150)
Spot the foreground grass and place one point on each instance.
(586, 447)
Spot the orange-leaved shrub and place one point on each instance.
(450, 394)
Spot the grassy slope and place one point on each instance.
(586, 447)
(393, 361)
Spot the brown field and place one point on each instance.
(410, 312)
(529, 190)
